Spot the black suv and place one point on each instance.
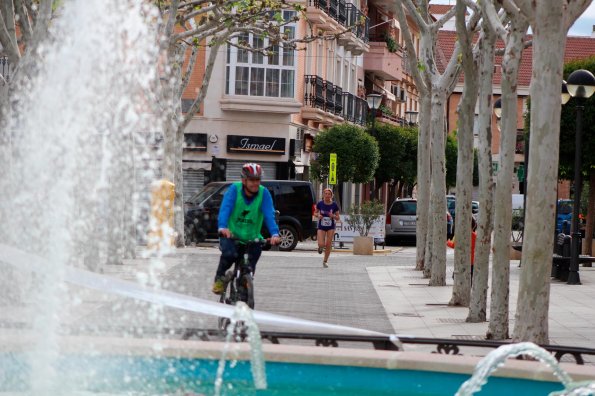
(293, 199)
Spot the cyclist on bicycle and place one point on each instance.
(246, 204)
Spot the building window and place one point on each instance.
(256, 74)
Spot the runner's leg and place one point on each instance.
(320, 234)
(328, 242)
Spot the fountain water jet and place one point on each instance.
(498, 357)
(76, 164)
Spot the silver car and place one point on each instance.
(401, 218)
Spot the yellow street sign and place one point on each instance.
(332, 174)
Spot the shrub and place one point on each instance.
(361, 217)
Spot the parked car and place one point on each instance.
(295, 201)
(451, 203)
(475, 208)
(401, 219)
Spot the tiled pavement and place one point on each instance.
(381, 293)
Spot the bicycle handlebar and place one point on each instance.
(262, 242)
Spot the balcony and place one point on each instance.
(385, 64)
(334, 16)
(355, 109)
(327, 104)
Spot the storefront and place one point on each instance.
(205, 161)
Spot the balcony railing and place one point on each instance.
(325, 95)
(354, 109)
(314, 94)
(347, 15)
(355, 16)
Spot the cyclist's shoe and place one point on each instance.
(218, 286)
(325, 264)
(320, 249)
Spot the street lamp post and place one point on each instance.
(373, 100)
(581, 85)
(411, 117)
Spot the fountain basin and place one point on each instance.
(156, 367)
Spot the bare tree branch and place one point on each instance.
(411, 9)
(494, 22)
(203, 87)
(8, 37)
(189, 68)
(24, 22)
(574, 12)
(445, 18)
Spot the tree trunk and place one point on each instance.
(427, 270)
(498, 327)
(588, 249)
(534, 286)
(464, 189)
(423, 184)
(438, 189)
(479, 288)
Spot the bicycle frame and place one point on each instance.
(238, 284)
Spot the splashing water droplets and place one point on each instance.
(497, 358)
(80, 105)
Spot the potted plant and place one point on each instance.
(391, 44)
(361, 218)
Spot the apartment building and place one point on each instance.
(269, 109)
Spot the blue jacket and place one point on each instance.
(268, 209)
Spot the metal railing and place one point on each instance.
(325, 95)
(361, 22)
(445, 346)
(354, 109)
(314, 92)
(346, 15)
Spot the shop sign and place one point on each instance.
(255, 144)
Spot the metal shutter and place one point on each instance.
(194, 181)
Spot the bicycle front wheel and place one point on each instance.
(229, 296)
(249, 288)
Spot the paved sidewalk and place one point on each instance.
(349, 292)
(417, 309)
(381, 293)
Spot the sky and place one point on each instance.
(582, 27)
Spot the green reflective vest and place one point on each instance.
(246, 220)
